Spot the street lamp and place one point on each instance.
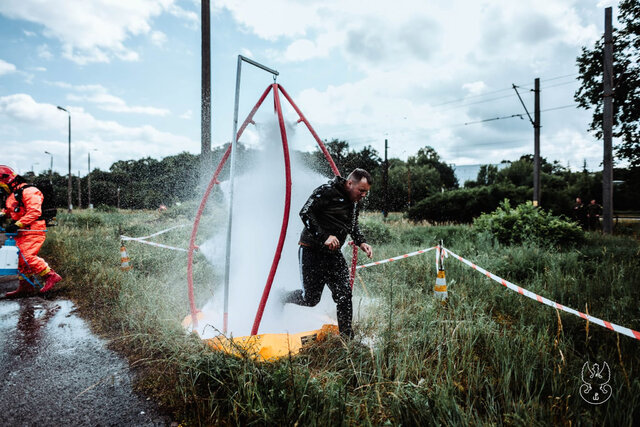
(89, 204)
(50, 167)
(70, 206)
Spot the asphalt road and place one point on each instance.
(55, 372)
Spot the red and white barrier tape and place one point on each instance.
(384, 261)
(612, 326)
(154, 234)
(158, 245)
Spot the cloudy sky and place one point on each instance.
(415, 72)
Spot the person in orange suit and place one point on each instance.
(26, 220)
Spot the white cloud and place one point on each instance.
(44, 52)
(274, 19)
(6, 67)
(186, 115)
(475, 88)
(100, 96)
(29, 33)
(192, 18)
(158, 38)
(25, 109)
(90, 30)
(416, 55)
(110, 137)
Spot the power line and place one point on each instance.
(559, 77)
(519, 115)
(471, 97)
(502, 90)
(561, 84)
(478, 102)
(377, 139)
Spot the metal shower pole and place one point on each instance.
(234, 143)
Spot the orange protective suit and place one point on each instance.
(29, 239)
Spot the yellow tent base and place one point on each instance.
(266, 346)
(270, 346)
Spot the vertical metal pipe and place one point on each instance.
(234, 143)
(196, 222)
(607, 127)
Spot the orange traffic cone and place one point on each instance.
(440, 288)
(124, 259)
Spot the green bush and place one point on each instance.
(461, 206)
(527, 223)
(89, 221)
(375, 231)
(106, 208)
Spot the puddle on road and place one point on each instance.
(36, 321)
(48, 351)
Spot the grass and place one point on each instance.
(489, 356)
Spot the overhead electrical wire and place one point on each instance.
(519, 115)
(502, 90)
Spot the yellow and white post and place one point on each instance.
(440, 288)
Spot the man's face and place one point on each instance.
(358, 190)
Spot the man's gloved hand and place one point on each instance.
(11, 227)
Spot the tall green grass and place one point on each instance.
(489, 356)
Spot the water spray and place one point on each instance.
(230, 153)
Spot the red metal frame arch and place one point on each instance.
(214, 180)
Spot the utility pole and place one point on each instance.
(79, 191)
(118, 194)
(408, 184)
(205, 109)
(536, 144)
(89, 204)
(607, 127)
(536, 139)
(385, 179)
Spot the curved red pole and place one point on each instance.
(203, 202)
(354, 260)
(285, 218)
(313, 132)
(354, 264)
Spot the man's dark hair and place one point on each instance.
(357, 174)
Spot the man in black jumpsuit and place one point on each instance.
(330, 213)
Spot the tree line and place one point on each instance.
(424, 185)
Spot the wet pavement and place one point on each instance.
(54, 371)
